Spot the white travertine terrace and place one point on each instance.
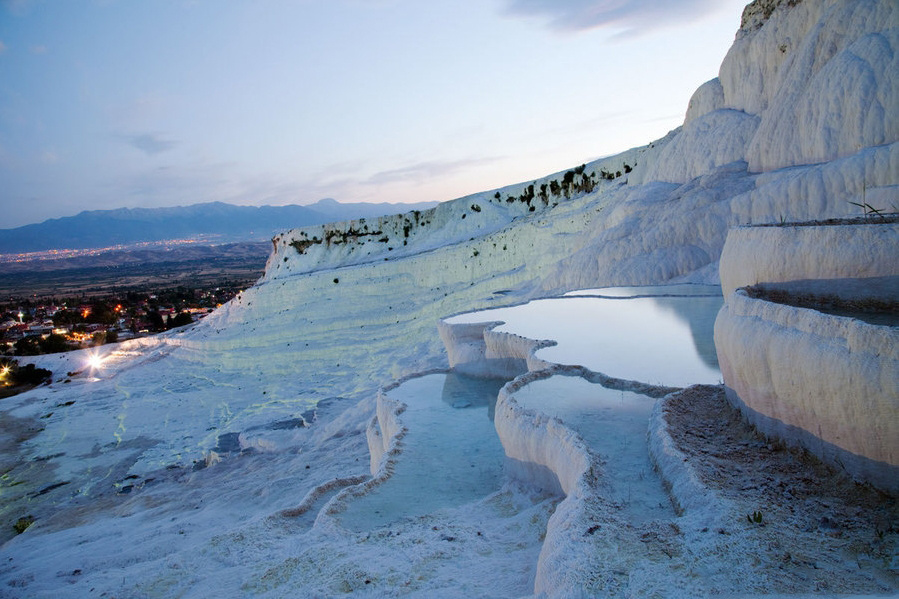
(829, 383)
(775, 254)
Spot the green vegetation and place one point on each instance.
(23, 523)
(36, 345)
(11, 374)
(870, 211)
(182, 319)
(574, 182)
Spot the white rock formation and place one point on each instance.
(800, 122)
(827, 382)
(777, 254)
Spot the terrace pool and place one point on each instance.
(451, 453)
(614, 424)
(661, 335)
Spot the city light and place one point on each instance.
(95, 361)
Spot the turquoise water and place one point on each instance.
(614, 425)
(659, 339)
(451, 454)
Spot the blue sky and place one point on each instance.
(114, 103)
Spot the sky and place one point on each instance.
(122, 103)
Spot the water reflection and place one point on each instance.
(451, 454)
(649, 290)
(613, 423)
(699, 314)
(658, 340)
(461, 392)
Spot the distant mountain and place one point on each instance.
(338, 211)
(220, 221)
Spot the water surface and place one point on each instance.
(451, 454)
(614, 424)
(665, 340)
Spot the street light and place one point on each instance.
(95, 361)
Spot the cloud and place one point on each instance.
(634, 16)
(150, 143)
(424, 171)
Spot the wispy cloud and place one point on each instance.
(423, 171)
(207, 181)
(150, 143)
(634, 16)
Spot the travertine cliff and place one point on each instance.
(800, 122)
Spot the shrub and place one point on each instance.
(182, 319)
(26, 375)
(23, 523)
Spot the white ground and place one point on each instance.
(186, 529)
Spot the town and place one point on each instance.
(39, 325)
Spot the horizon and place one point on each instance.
(111, 105)
(310, 206)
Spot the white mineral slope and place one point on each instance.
(865, 249)
(136, 517)
(111, 465)
(800, 122)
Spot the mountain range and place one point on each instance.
(216, 221)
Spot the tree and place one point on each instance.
(66, 317)
(101, 313)
(184, 318)
(54, 344)
(155, 320)
(28, 346)
(29, 375)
